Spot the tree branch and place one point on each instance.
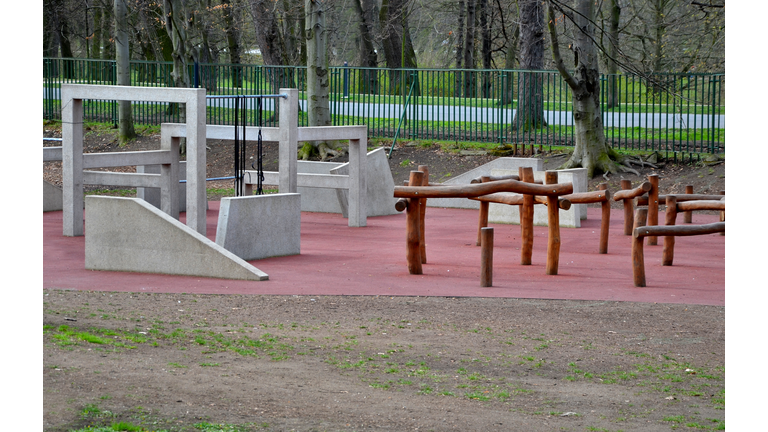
(556, 51)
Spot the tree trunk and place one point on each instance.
(530, 98)
(611, 88)
(368, 79)
(485, 37)
(123, 60)
(508, 91)
(270, 41)
(469, 52)
(318, 107)
(459, 49)
(233, 43)
(591, 150)
(398, 46)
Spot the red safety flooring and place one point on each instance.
(338, 260)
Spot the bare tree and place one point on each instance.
(397, 44)
(530, 98)
(369, 79)
(591, 149)
(123, 60)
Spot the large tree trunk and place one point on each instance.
(233, 43)
(530, 99)
(398, 46)
(469, 52)
(318, 107)
(485, 37)
(271, 43)
(368, 78)
(459, 49)
(508, 79)
(611, 88)
(123, 60)
(591, 149)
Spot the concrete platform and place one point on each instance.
(337, 260)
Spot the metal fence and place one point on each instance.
(669, 112)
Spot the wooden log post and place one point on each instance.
(486, 257)
(688, 216)
(423, 215)
(629, 209)
(412, 225)
(722, 214)
(526, 219)
(638, 260)
(653, 206)
(482, 220)
(668, 253)
(553, 222)
(605, 222)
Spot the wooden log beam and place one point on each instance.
(688, 206)
(643, 200)
(476, 190)
(597, 196)
(497, 178)
(680, 230)
(509, 198)
(628, 193)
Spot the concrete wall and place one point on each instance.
(52, 197)
(128, 234)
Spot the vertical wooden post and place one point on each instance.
(688, 215)
(412, 225)
(482, 220)
(422, 215)
(605, 222)
(638, 260)
(629, 209)
(553, 221)
(653, 206)
(486, 257)
(526, 219)
(668, 253)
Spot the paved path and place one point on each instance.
(338, 260)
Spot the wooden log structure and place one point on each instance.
(422, 215)
(497, 178)
(627, 194)
(411, 198)
(526, 219)
(669, 231)
(553, 225)
(688, 215)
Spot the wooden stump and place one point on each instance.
(638, 259)
(629, 209)
(605, 222)
(422, 215)
(412, 227)
(526, 219)
(653, 206)
(486, 257)
(668, 253)
(553, 222)
(688, 216)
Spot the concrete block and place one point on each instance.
(260, 226)
(52, 197)
(571, 218)
(128, 234)
(318, 199)
(379, 185)
(505, 163)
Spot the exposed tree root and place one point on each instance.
(322, 149)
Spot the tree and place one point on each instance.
(123, 60)
(369, 79)
(318, 109)
(591, 149)
(530, 98)
(397, 44)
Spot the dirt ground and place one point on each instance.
(349, 363)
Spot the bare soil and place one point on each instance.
(347, 363)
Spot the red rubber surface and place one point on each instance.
(338, 260)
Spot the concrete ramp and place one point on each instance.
(128, 234)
